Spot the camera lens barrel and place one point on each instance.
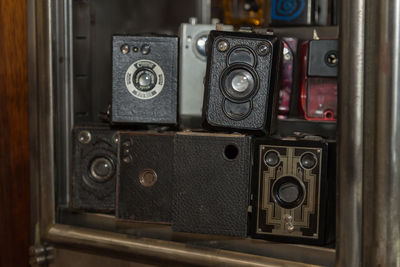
(101, 169)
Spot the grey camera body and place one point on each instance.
(192, 67)
(94, 168)
(144, 79)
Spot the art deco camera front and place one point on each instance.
(292, 192)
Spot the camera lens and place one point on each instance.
(144, 79)
(308, 160)
(271, 158)
(288, 192)
(101, 169)
(201, 45)
(241, 55)
(239, 83)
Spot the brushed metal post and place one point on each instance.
(382, 213)
(350, 134)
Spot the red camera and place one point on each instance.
(318, 96)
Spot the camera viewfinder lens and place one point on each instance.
(271, 158)
(241, 55)
(308, 160)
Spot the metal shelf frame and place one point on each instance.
(368, 210)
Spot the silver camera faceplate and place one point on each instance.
(192, 68)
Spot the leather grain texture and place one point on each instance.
(87, 193)
(147, 151)
(163, 108)
(263, 102)
(212, 191)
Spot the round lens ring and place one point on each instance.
(288, 192)
(239, 83)
(308, 160)
(271, 158)
(144, 79)
(101, 169)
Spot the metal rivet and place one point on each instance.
(125, 49)
(115, 138)
(84, 137)
(145, 49)
(263, 49)
(222, 46)
(127, 159)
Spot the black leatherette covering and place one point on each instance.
(148, 151)
(211, 195)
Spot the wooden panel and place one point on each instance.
(14, 136)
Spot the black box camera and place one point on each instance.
(241, 81)
(294, 191)
(95, 164)
(145, 176)
(213, 173)
(145, 79)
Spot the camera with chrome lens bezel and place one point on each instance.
(144, 79)
(241, 81)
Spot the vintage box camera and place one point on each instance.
(241, 81)
(319, 79)
(192, 69)
(94, 171)
(287, 73)
(145, 79)
(145, 176)
(212, 173)
(294, 191)
(300, 12)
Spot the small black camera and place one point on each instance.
(145, 79)
(145, 176)
(241, 81)
(95, 164)
(294, 191)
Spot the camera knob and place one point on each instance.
(193, 20)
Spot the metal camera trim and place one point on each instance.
(144, 95)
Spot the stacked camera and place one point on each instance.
(192, 140)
